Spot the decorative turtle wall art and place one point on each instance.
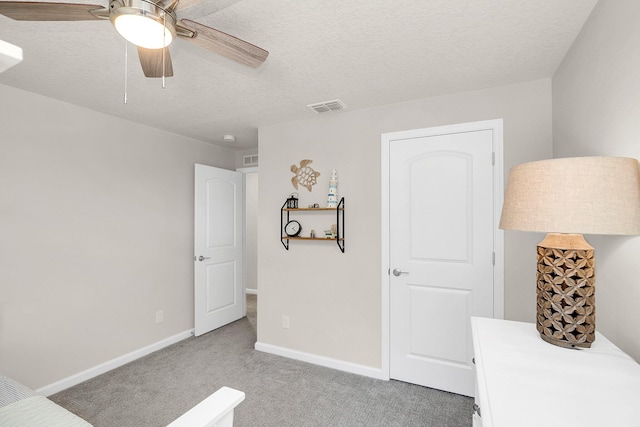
(304, 175)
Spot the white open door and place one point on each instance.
(442, 233)
(218, 269)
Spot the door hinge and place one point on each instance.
(493, 158)
(493, 258)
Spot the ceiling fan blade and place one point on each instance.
(224, 44)
(184, 4)
(151, 61)
(40, 11)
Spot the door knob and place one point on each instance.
(202, 258)
(396, 272)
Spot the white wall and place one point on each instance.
(334, 299)
(96, 226)
(596, 104)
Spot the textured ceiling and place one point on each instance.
(365, 52)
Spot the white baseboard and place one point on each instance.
(327, 362)
(65, 383)
(251, 291)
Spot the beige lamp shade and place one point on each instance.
(584, 195)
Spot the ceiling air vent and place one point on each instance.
(328, 106)
(251, 160)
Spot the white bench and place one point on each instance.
(215, 411)
(22, 407)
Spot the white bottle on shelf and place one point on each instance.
(332, 198)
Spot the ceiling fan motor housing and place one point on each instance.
(151, 25)
(121, 11)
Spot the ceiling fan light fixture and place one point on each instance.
(143, 23)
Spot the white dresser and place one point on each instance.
(523, 381)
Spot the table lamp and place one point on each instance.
(566, 198)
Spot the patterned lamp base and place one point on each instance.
(566, 310)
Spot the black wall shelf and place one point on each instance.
(285, 213)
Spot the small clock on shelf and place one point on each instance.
(292, 228)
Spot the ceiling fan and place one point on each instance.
(150, 25)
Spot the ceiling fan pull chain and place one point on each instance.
(164, 49)
(126, 61)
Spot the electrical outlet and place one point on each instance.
(285, 321)
(159, 316)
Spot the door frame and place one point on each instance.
(498, 235)
(245, 171)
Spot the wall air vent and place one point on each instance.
(328, 106)
(251, 160)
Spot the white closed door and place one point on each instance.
(441, 250)
(218, 267)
